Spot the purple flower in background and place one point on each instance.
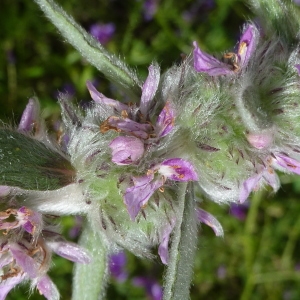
(297, 2)
(221, 272)
(103, 32)
(152, 287)
(198, 10)
(149, 9)
(239, 211)
(233, 62)
(117, 263)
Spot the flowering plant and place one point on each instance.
(137, 169)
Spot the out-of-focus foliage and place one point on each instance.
(259, 255)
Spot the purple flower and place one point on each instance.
(144, 187)
(149, 88)
(261, 140)
(208, 219)
(264, 175)
(149, 8)
(297, 66)
(239, 211)
(163, 250)
(30, 118)
(267, 175)
(26, 249)
(233, 62)
(126, 150)
(102, 32)
(152, 287)
(165, 121)
(117, 264)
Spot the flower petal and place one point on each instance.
(126, 125)
(208, 219)
(26, 262)
(163, 250)
(247, 44)
(101, 99)
(117, 264)
(177, 169)
(7, 285)
(288, 163)
(248, 186)
(70, 251)
(260, 141)
(165, 121)
(149, 88)
(47, 288)
(206, 63)
(30, 116)
(126, 150)
(137, 196)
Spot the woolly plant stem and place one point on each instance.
(183, 248)
(111, 66)
(90, 280)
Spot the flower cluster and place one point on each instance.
(27, 241)
(217, 128)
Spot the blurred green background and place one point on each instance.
(259, 257)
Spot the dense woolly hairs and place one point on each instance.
(282, 19)
(268, 94)
(65, 201)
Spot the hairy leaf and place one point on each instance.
(29, 164)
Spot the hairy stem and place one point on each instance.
(110, 65)
(183, 249)
(90, 280)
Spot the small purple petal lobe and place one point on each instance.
(247, 44)
(70, 251)
(177, 169)
(248, 186)
(138, 195)
(126, 150)
(288, 163)
(149, 88)
(30, 116)
(165, 121)
(47, 288)
(206, 63)
(163, 249)
(208, 219)
(260, 141)
(7, 285)
(131, 127)
(101, 99)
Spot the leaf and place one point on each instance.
(30, 164)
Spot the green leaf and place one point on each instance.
(183, 248)
(90, 280)
(29, 164)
